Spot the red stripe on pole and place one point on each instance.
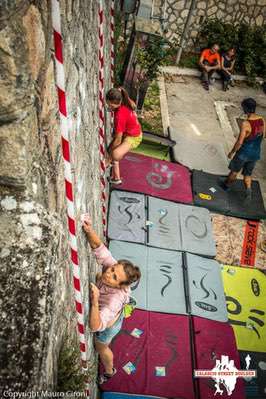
(74, 256)
(76, 283)
(71, 226)
(81, 328)
(62, 101)
(82, 347)
(78, 307)
(101, 16)
(66, 149)
(58, 47)
(69, 192)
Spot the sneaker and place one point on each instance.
(225, 86)
(248, 195)
(205, 85)
(223, 185)
(105, 377)
(116, 182)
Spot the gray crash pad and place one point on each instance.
(161, 286)
(164, 224)
(161, 224)
(206, 291)
(201, 155)
(209, 194)
(180, 227)
(127, 216)
(164, 273)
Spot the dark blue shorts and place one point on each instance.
(237, 164)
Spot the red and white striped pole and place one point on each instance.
(71, 216)
(101, 114)
(112, 30)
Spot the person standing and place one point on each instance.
(247, 149)
(209, 63)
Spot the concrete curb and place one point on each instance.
(164, 106)
(174, 70)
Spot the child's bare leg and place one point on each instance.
(117, 154)
(231, 178)
(115, 170)
(247, 182)
(106, 356)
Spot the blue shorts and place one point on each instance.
(106, 336)
(237, 164)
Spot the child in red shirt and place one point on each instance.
(127, 130)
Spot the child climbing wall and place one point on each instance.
(127, 130)
(108, 298)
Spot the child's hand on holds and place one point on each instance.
(86, 222)
(94, 294)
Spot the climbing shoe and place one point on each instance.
(102, 378)
(115, 181)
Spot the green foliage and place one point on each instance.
(150, 56)
(249, 41)
(189, 60)
(151, 119)
(119, 48)
(152, 98)
(70, 377)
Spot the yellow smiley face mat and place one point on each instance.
(245, 291)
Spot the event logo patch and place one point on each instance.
(225, 374)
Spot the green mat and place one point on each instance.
(154, 150)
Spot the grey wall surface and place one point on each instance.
(37, 305)
(252, 12)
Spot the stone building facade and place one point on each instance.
(37, 306)
(175, 12)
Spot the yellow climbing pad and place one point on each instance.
(245, 291)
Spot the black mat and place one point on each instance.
(255, 387)
(208, 193)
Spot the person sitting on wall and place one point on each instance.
(127, 129)
(227, 66)
(246, 151)
(108, 298)
(209, 63)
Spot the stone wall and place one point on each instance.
(252, 12)
(36, 283)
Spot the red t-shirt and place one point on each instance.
(210, 57)
(126, 122)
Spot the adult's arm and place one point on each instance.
(201, 61)
(226, 70)
(218, 65)
(245, 130)
(232, 66)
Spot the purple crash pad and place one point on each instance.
(158, 178)
(212, 340)
(156, 359)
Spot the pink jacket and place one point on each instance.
(111, 300)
